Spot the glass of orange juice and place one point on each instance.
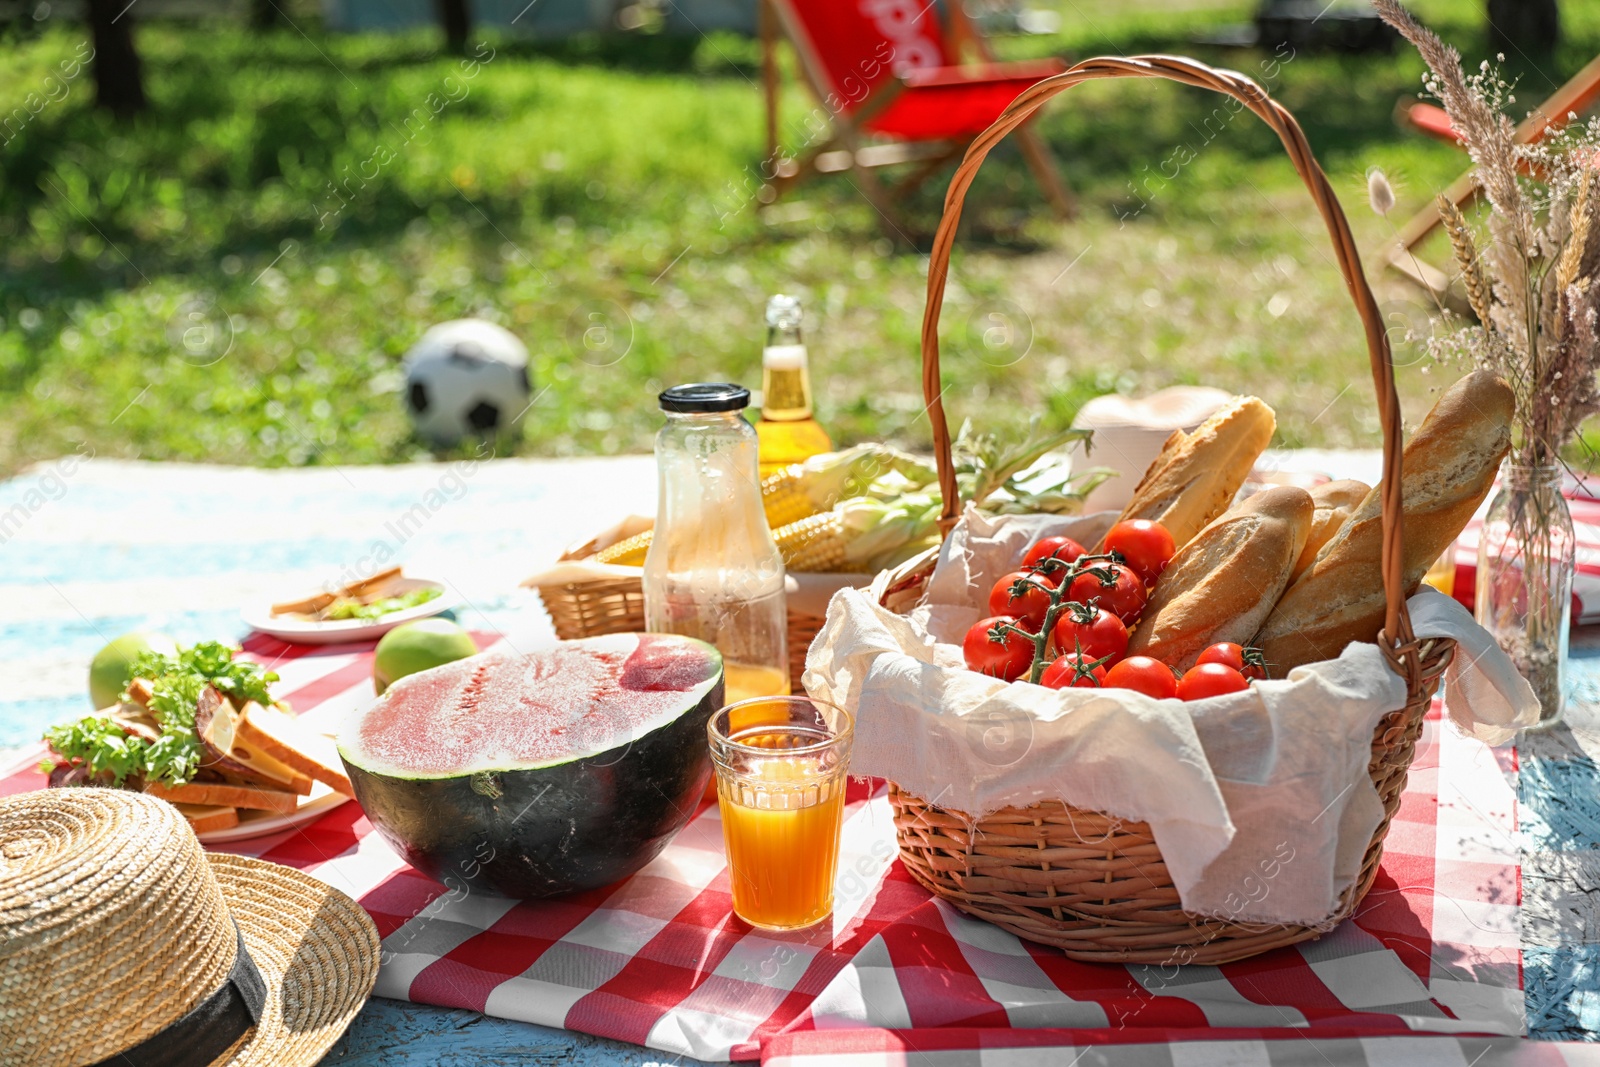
(781, 764)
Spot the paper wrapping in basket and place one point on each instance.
(1230, 786)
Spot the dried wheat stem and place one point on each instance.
(1567, 270)
(1455, 224)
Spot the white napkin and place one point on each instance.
(1259, 801)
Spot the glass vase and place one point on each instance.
(1526, 558)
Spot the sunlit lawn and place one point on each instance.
(235, 276)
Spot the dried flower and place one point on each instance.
(1532, 278)
(1380, 194)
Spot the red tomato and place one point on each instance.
(1030, 607)
(1063, 548)
(1247, 661)
(1120, 591)
(1008, 659)
(1146, 545)
(1211, 680)
(1143, 675)
(1094, 632)
(1073, 671)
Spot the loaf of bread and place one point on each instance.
(1195, 477)
(1448, 468)
(1222, 584)
(1334, 501)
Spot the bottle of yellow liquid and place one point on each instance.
(788, 432)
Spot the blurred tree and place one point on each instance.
(118, 81)
(456, 18)
(266, 15)
(1532, 26)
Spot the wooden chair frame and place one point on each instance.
(1582, 90)
(843, 148)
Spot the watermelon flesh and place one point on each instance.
(540, 774)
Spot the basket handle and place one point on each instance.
(1397, 623)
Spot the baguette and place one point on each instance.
(1334, 501)
(1447, 470)
(1222, 585)
(226, 795)
(284, 739)
(1195, 477)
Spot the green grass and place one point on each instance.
(187, 285)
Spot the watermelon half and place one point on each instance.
(540, 774)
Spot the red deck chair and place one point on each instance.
(891, 71)
(1576, 96)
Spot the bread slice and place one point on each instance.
(1197, 474)
(306, 605)
(204, 818)
(1447, 470)
(1223, 583)
(1334, 501)
(227, 795)
(217, 724)
(372, 583)
(283, 738)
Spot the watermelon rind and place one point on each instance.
(554, 827)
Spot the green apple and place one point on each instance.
(417, 646)
(108, 671)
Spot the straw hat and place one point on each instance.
(116, 929)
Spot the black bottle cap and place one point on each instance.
(705, 397)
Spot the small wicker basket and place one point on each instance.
(616, 605)
(1089, 884)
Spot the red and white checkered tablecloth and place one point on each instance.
(659, 960)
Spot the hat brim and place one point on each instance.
(317, 951)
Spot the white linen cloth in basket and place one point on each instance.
(1230, 786)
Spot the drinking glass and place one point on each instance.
(781, 764)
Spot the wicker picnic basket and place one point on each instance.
(616, 605)
(1082, 881)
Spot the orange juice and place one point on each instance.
(742, 681)
(781, 765)
(781, 828)
(1442, 575)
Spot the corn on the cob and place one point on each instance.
(814, 543)
(629, 552)
(782, 498)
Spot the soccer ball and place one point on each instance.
(466, 378)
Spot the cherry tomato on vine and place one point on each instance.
(1143, 675)
(1211, 680)
(1093, 631)
(1145, 544)
(1030, 607)
(1064, 549)
(1009, 658)
(1116, 587)
(1247, 661)
(1073, 671)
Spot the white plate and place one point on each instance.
(256, 823)
(341, 631)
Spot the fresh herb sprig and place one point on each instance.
(354, 609)
(101, 745)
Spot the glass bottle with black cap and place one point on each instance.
(713, 571)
